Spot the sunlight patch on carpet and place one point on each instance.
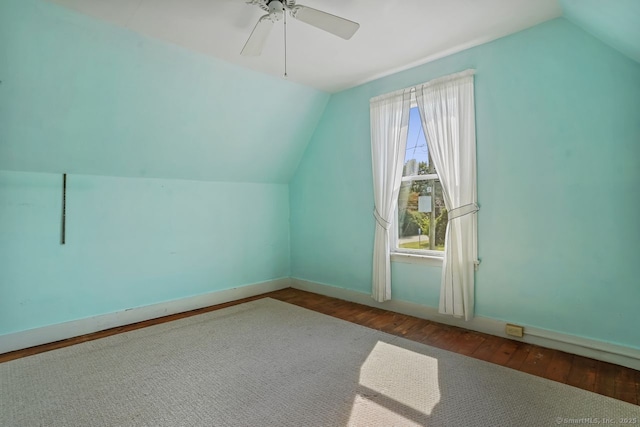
(271, 364)
(368, 413)
(403, 376)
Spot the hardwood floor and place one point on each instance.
(593, 375)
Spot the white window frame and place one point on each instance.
(412, 256)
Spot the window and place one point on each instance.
(447, 107)
(421, 217)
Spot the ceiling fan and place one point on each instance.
(276, 11)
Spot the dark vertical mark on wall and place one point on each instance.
(64, 205)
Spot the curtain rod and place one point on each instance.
(432, 82)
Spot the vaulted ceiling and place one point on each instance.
(84, 97)
(393, 34)
(158, 88)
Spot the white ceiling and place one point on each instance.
(393, 34)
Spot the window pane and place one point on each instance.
(422, 217)
(418, 203)
(416, 159)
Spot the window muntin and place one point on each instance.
(421, 217)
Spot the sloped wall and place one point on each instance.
(81, 96)
(178, 168)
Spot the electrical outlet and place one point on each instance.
(514, 330)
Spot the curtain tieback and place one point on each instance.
(380, 220)
(463, 210)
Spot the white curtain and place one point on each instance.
(389, 125)
(448, 119)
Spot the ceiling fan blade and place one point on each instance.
(325, 21)
(255, 43)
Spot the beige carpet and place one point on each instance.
(268, 363)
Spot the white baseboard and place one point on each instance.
(61, 331)
(620, 355)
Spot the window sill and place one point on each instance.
(408, 258)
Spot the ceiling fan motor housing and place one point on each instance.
(276, 10)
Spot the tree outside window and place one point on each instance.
(421, 216)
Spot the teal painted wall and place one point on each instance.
(131, 242)
(558, 143)
(82, 96)
(615, 22)
(144, 129)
